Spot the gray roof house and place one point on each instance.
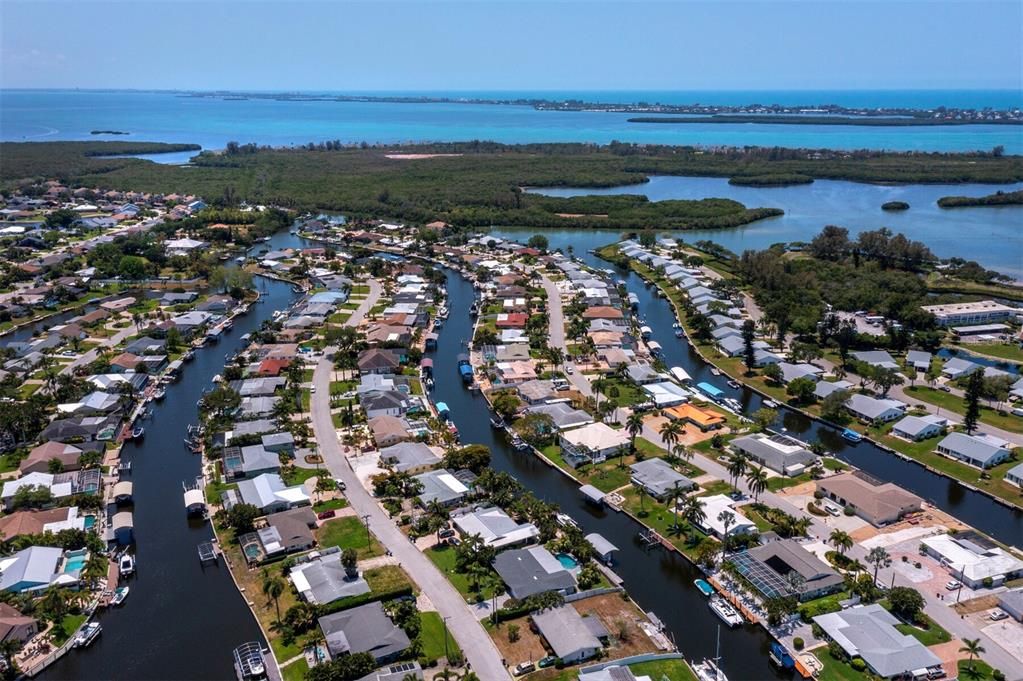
(957, 367)
(441, 486)
(868, 632)
(825, 388)
(409, 457)
(874, 410)
(980, 451)
(323, 580)
(536, 391)
(247, 462)
(496, 528)
(531, 571)
(779, 453)
(791, 372)
(1011, 601)
(918, 428)
(919, 359)
(567, 634)
(877, 358)
(1015, 475)
(641, 373)
(563, 415)
(657, 477)
(768, 566)
(365, 629)
(268, 493)
(384, 403)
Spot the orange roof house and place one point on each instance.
(704, 419)
(602, 312)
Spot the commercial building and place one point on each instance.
(962, 314)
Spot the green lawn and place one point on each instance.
(954, 403)
(295, 671)
(349, 533)
(1010, 352)
(623, 393)
(432, 634)
(676, 670)
(836, 670)
(68, 626)
(329, 505)
(782, 481)
(762, 523)
(657, 515)
(444, 558)
(930, 636)
(981, 671)
(716, 487)
(293, 475)
(650, 450)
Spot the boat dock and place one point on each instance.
(208, 552)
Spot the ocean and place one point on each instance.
(46, 115)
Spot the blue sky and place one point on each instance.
(628, 45)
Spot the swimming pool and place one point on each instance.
(567, 561)
(75, 561)
(90, 522)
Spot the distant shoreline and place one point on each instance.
(879, 121)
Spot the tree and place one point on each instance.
(757, 481)
(727, 519)
(673, 498)
(472, 457)
(773, 373)
(906, 602)
(764, 417)
(973, 648)
(241, 517)
(833, 405)
(879, 558)
(344, 668)
(634, 426)
(841, 540)
(737, 467)
(885, 379)
(670, 431)
(974, 391)
(692, 511)
(749, 353)
(131, 267)
(538, 241)
(801, 388)
(273, 587)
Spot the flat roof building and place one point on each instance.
(979, 312)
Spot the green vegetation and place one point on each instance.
(788, 119)
(349, 533)
(432, 636)
(446, 559)
(775, 180)
(978, 670)
(955, 404)
(676, 670)
(1010, 352)
(295, 671)
(63, 630)
(999, 198)
(894, 205)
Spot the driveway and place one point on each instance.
(479, 649)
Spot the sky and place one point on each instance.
(505, 45)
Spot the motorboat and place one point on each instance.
(89, 633)
(138, 432)
(734, 384)
(724, 610)
(715, 371)
(704, 586)
(496, 422)
(126, 565)
(771, 404)
(119, 595)
(679, 333)
(159, 394)
(851, 435)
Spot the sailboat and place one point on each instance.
(710, 669)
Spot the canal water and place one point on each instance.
(181, 620)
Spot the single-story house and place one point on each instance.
(37, 568)
(389, 430)
(869, 632)
(532, 571)
(768, 566)
(715, 507)
(496, 528)
(268, 493)
(441, 486)
(879, 503)
(973, 559)
(250, 461)
(874, 410)
(563, 415)
(876, 358)
(780, 453)
(567, 634)
(957, 367)
(919, 360)
(1015, 475)
(409, 457)
(983, 451)
(15, 626)
(657, 477)
(323, 579)
(365, 629)
(917, 428)
(592, 443)
(702, 418)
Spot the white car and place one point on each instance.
(953, 584)
(997, 615)
(569, 369)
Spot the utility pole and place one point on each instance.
(365, 521)
(446, 636)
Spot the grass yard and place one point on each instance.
(954, 403)
(836, 670)
(444, 558)
(67, 627)
(295, 671)
(1009, 352)
(330, 505)
(657, 516)
(676, 670)
(980, 671)
(293, 475)
(349, 533)
(433, 635)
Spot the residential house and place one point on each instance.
(917, 428)
(1015, 475)
(780, 453)
(563, 415)
(496, 528)
(39, 521)
(37, 568)
(536, 391)
(919, 360)
(441, 486)
(879, 503)
(268, 493)
(41, 458)
(389, 430)
(592, 443)
(568, 634)
(409, 457)
(974, 560)
(323, 579)
(983, 451)
(702, 418)
(714, 507)
(957, 367)
(869, 632)
(874, 410)
(658, 478)
(384, 403)
(365, 629)
(532, 571)
(15, 626)
(876, 358)
(768, 567)
(249, 462)
(379, 361)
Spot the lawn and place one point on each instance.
(656, 515)
(930, 636)
(954, 403)
(676, 670)
(295, 671)
(605, 476)
(835, 670)
(330, 505)
(67, 627)
(433, 635)
(1011, 352)
(981, 671)
(716, 487)
(650, 450)
(444, 558)
(762, 523)
(293, 475)
(623, 393)
(349, 533)
(782, 481)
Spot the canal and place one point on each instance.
(181, 620)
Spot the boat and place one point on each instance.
(781, 657)
(732, 404)
(566, 520)
(240, 259)
(189, 355)
(715, 371)
(496, 422)
(771, 404)
(159, 394)
(249, 661)
(851, 435)
(725, 611)
(710, 669)
(679, 333)
(138, 432)
(734, 384)
(704, 586)
(518, 444)
(119, 595)
(87, 635)
(126, 565)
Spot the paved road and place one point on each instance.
(556, 320)
(90, 356)
(473, 639)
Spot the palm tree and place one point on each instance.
(622, 451)
(641, 491)
(693, 511)
(634, 426)
(726, 518)
(682, 452)
(737, 467)
(757, 481)
(675, 495)
(878, 557)
(972, 647)
(273, 588)
(841, 540)
(95, 569)
(670, 432)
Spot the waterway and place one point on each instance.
(994, 236)
(181, 620)
(51, 115)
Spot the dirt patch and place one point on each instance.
(621, 619)
(976, 605)
(529, 646)
(581, 215)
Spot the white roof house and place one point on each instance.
(496, 528)
(873, 409)
(918, 428)
(971, 562)
(593, 442)
(868, 631)
(982, 451)
(718, 504)
(269, 493)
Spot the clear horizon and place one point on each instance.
(729, 45)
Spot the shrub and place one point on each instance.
(797, 643)
(817, 494)
(859, 665)
(988, 582)
(998, 675)
(513, 633)
(849, 511)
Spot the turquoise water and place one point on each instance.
(41, 115)
(991, 236)
(75, 562)
(90, 521)
(567, 561)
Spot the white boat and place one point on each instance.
(771, 404)
(715, 371)
(725, 611)
(87, 635)
(119, 595)
(710, 669)
(126, 565)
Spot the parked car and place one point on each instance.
(323, 515)
(547, 661)
(569, 369)
(953, 584)
(832, 509)
(444, 534)
(524, 668)
(997, 615)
